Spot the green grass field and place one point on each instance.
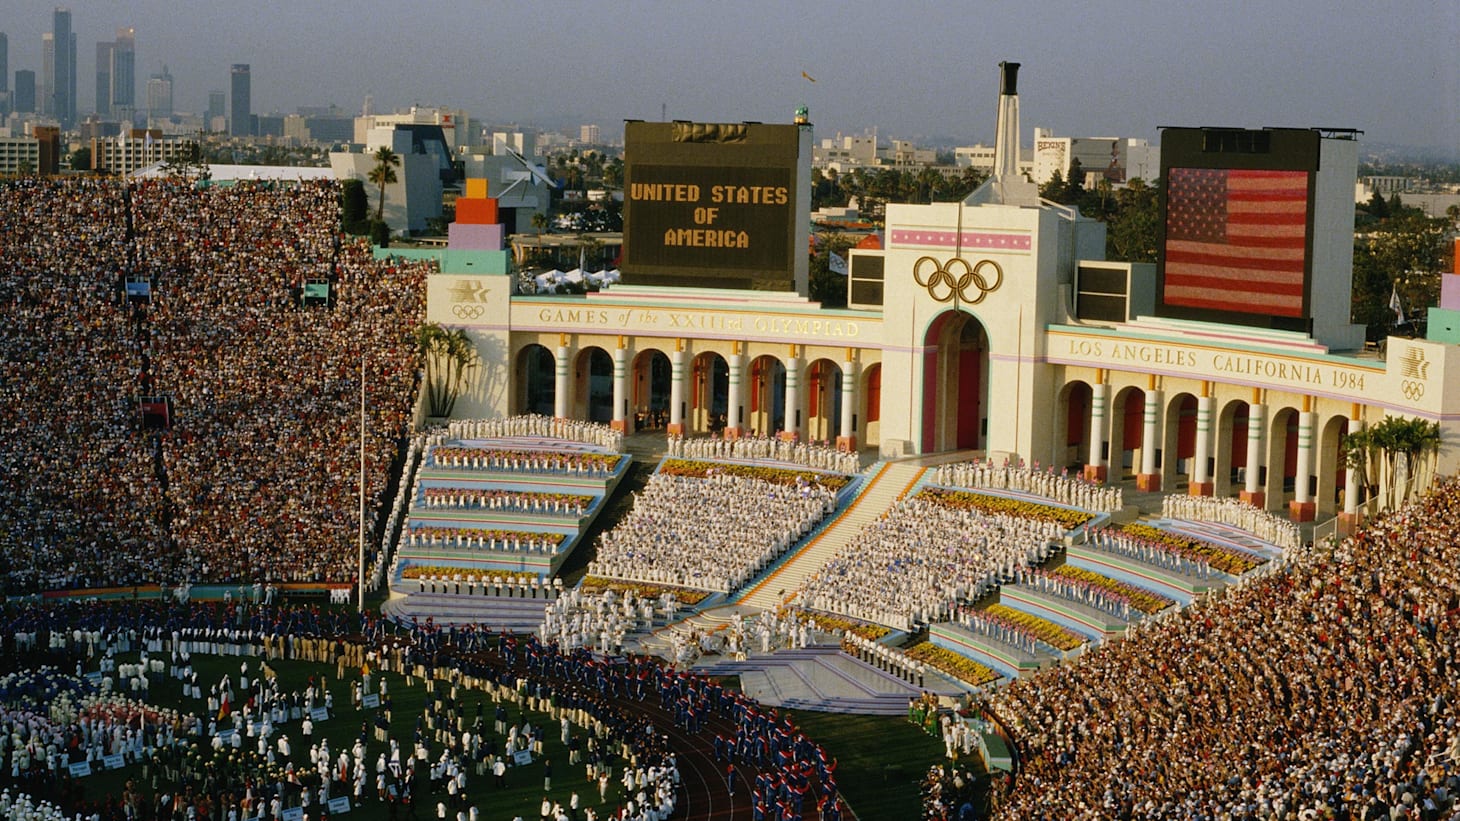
(523, 795)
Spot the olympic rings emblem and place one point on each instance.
(1412, 390)
(468, 311)
(942, 276)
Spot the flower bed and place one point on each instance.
(457, 536)
(1223, 558)
(779, 476)
(1056, 636)
(994, 505)
(524, 460)
(1140, 598)
(962, 668)
(831, 624)
(420, 571)
(507, 500)
(598, 584)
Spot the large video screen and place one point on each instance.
(1236, 240)
(710, 205)
(1237, 224)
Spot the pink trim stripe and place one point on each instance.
(971, 239)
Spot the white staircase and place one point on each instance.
(885, 489)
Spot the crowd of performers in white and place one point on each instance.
(709, 533)
(601, 621)
(915, 564)
(1058, 487)
(506, 500)
(1229, 510)
(533, 425)
(815, 455)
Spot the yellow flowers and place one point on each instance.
(598, 584)
(1039, 629)
(831, 624)
(531, 460)
(779, 476)
(454, 535)
(994, 505)
(1223, 558)
(1140, 598)
(960, 667)
(419, 571)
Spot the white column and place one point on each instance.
(561, 387)
(676, 392)
(1307, 420)
(1351, 477)
(793, 396)
(849, 400)
(736, 398)
(1150, 431)
(1256, 428)
(620, 389)
(1095, 465)
(1203, 454)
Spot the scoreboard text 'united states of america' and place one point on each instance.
(1236, 240)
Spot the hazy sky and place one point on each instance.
(912, 70)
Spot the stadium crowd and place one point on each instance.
(914, 565)
(709, 533)
(256, 477)
(1328, 690)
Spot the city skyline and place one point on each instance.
(919, 73)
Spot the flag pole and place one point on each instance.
(361, 568)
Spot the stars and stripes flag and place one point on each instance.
(1236, 240)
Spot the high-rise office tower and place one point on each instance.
(240, 115)
(63, 68)
(124, 73)
(216, 105)
(48, 75)
(104, 78)
(25, 91)
(159, 95)
(4, 62)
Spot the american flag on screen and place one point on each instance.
(1236, 240)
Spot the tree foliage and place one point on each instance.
(1398, 454)
(1402, 254)
(383, 174)
(354, 207)
(448, 357)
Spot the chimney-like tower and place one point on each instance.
(1006, 186)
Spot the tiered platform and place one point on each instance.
(825, 679)
(432, 533)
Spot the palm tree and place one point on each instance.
(448, 356)
(383, 174)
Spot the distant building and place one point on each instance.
(63, 68)
(216, 106)
(4, 62)
(19, 155)
(455, 124)
(123, 96)
(415, 197)
(159, 95)
(136, 148)
(104, 78)
(1114, 159)
(240, 114)
(24, 95)
(589, 135)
